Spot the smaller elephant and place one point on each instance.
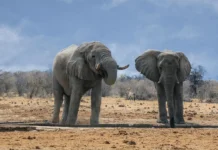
(168, 70)
(77, 69)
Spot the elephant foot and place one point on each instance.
(94, 122)
(70, 122)
(179, 121)
(172, 122)
(164, 121)
(63, 122)
(55, 120)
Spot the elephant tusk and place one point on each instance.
(97, 67)
(160, 79)
(122, 68)
(177, 81)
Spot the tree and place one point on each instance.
(7, 82)
(196, 79)
(34, 83)
(20, 82)
(1, 82)
(47, 83)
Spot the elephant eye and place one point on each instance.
(93, 56)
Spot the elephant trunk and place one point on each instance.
(108, 68)
(169, 90)
(110, 71)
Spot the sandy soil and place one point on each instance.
(113, 110)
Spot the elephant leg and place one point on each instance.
(66, 108)
(75, 98)
(161, 104)
(178, 98)
(95, 103)
(58, 100)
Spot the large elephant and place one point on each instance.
(168, 70)
(77, 69)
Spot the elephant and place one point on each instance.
(168, 70)
(77, 69)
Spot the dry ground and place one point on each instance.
(113, 110)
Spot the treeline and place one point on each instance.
(39, 84)
(28, 84)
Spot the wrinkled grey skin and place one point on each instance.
(168, 70)
(75, 71)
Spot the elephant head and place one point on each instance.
(167, 68)
(92, 61)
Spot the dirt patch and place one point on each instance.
(113, 111)
(176, 139)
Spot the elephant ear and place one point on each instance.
(77, 66)
(147, 64)
(185, 67)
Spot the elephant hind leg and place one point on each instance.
(66, 109)
(58, 100)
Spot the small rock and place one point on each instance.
(123, 133)
(31, 138)
(113, 146)
(37, 147)
(102, 134)
(189, 118)
(106, 142)
(132, 142)
(125, 141)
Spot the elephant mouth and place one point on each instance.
(103, 73)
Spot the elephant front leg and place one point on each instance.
(75, 98)
(95, 104)
(178, 97)
(161, 104)
(65, 110)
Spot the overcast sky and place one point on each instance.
(33, 31)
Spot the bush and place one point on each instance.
(39, 84)
(208, 91)
(130, 88)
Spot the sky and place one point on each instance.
(33, 31)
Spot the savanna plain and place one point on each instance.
(113, 111)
